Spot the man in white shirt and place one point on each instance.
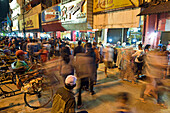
(108, 57)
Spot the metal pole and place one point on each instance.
(24, 19)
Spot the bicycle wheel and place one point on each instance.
(41, 96)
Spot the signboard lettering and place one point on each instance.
(77, 7)
(73, 10)
(104, 5)
(66, 13)
(30, 23)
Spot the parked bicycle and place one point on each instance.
(35, 85)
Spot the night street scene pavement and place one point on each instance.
(104, 100)
(84, 56)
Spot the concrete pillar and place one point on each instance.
(104, 35)
(150, 35)
(122, 35)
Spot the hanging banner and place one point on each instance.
(31, 22)
(51, 14)
(74, 12)
(105, 5)
(117, 19)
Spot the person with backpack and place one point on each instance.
(139, 59)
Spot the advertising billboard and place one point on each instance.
(74, 12)
(51, 14)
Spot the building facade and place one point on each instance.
(156, 23)
(114, 18)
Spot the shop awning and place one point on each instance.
(79, 26)
(161, 8)
(53, 26)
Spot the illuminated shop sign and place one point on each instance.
(31, 22)
(105, 5)
(74, 12)
(51, 14)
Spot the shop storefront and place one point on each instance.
(77, 35)
(157, 24)
(77, 17)
(114, 18)
(68, 19)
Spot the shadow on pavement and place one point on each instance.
(145, 107)
(98, 88)
(99, 100)
(11, 105)
(105, 80)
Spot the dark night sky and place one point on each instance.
(4, 9)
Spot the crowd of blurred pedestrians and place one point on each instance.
(83, 61)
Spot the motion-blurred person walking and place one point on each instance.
(155, 64)
(101, 52)
(32, 48)
(97, 59)
(108, 57)
(85, 70)
(79, 49)
(66, 65)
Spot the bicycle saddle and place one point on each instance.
(19, 70)
(13, 65)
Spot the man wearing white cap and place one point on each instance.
(64, 100)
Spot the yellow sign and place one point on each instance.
(31, 22)
(104, 5)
